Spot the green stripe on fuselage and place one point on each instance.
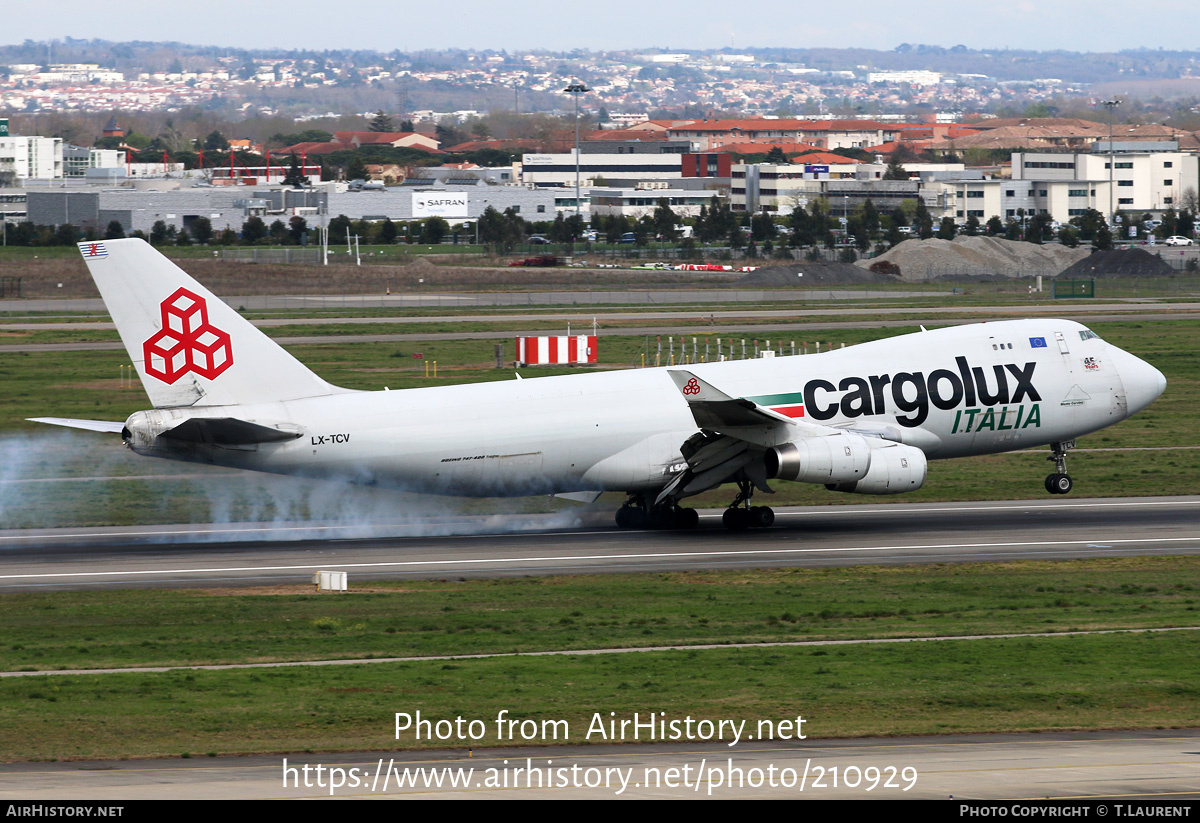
(790, 399)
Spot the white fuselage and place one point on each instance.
(951, 392)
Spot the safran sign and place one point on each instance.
(439, 204)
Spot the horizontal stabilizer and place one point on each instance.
(90, 425)
(226, 431)
(580, 497)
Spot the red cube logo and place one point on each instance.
(187, 342)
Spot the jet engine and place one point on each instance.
(836, 459)
(895, 468)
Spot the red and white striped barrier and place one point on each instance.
(552, 351)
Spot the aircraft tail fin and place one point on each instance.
(190, 349)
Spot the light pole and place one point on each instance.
(576, 89)
(1110, 105)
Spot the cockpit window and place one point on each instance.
(1088, 334)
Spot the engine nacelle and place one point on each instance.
(836, 459)
(895, 469)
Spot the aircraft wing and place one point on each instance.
(734, 433)
(90, 425)
(716, 411)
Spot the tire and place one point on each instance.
(762, 517)
(629, 517)
(1062, 484)
(735, 519)
(686, 518)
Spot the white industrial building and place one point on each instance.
(1066, 185)
(554, 170)
(31, 157)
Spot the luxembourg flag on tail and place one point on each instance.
(93, 249)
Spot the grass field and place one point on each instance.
(1066, 682)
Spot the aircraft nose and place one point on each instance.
(1143, 383)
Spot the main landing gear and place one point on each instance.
(1060, 481)
(636, 515)
(741, 515)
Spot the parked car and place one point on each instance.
(538, 240)
(628, 237)
(1177, 240)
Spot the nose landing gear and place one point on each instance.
(1060, 481)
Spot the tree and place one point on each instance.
(1090, 222)
(183, 238)
(924, 221)
(995, 225)
(278, 232)
(158, 233)
(215, 142)
(202, 230)
(664, 220)
(946, 229)
(1187, 223)
(1039, 228)
(356, 169)
(388, 232)
(434, 230)
(972, 227)
(295, 175)
(407, 125)
(895, 171)
(339, 228)
(870, 218)
(66, 235)
(1170, 224)
(115, 231)
(298, 229)
(381, 123)
(762, 227)
(776, 155)
(254, 230)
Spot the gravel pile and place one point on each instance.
(1120, 262)
(977, 256)
(823, 274)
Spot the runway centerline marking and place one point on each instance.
(834, 511)
(585, 557)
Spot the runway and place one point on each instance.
(583, 542)
(1154, 769)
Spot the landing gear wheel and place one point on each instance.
(661, 517)
(686, 518)
(736, 519)
(629, 517)
(1058, 484)
(762, 517)
(633, 514)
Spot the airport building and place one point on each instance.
(138, 209)
(1146, 178)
